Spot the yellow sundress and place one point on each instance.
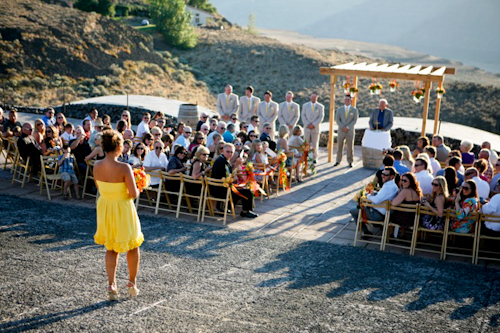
(118, 226)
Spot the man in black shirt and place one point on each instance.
(28, 147)
(80, 148)
(10, 124)
(203, 120)
(221, 169)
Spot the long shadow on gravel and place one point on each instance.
(388, 275)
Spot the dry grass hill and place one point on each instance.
(49, 53)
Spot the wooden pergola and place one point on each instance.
(428, 75)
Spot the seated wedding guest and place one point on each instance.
(93, 114)
(60, 123)
(29, 147)
(180, 129)
(199, 139)
(152, 124)
(155, 160)
(10, 124)
(407, 160)
(465, 147)
(266, 136)
(230, 133)
(167, 140)
(493, 155)
(481, 166)
(488, 173)
(106, 120)
(68, 134)
(183, 139)
(199, 168)
(148, 142)
(143, 127)
(121, 126)
(436, 204)
(466, 203)
(483, 188)
(434, 166)
(66, 164)
(422, 142)
(492, 208)
(450, 174)
(160, 123)
(254, 124)
(2, 117)
(51, 143)
(218, 149)
(137, 157)
(221, 169)
(127, 118)
(49, 119)
(388, 192)
(128, 134)
(296, 140)
(176, 162)
(282, 145)
(126, 152)
(252, 135)
(156, 133)
(410, 194)
(388, 161)
(203, 120)
(456, 163)
(238, 146)
(205, 129)
(243, 127)
(234, 120)
(398, 165)
(494, 184)
(98, 128)
(97, 152)
(243, 137)
(39, 131)
(17, 133)
(213, 122)
(216, 138)
(221, 128)
(423, 175)
(87, 128)
(442, 150)
(158, 115)
(80, 148)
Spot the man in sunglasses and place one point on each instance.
(184, 139)
(388, 191)
(221, 129)
(254, 124)
(203, 120)
(49, 118)
(423, 175)
(28, 147)
(483, 188)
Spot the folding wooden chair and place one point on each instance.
(152, 200)
(423, 232)
(89, 176)
(292, 169)
(264, 183)
(366, 203)
(209, 199)
(389, 227)
(10, 153)
(470, 252)
(303, 162)
(485, 253)
(173, 205)
(49, 173)
(186, 182)
(21, 168)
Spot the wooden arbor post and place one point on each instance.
(428, 86)
(436, 114)
(333, 80)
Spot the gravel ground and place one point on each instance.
(197, 278)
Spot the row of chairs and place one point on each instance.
(445, 240)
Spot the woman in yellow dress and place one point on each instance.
(118, 226)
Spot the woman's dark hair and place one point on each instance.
(388, 160)
(121, 125)
(472, 192)
(481, 165)
(111, 140)
(425, 141)
(243, 137)
(250, 133)
(147, 136)
(167, 138)
(179, 150)
(414, 185)
(134, 150)
(450, 174)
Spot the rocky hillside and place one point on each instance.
(50, 54)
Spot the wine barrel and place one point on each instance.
(372, 158)
(189, 115)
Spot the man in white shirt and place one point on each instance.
(227, 103)
(435, 165)
(248, 105)
(92, 117)
(289, 112)
(388, 191)
(221, 128)
(156, 160)
(184, 139)
(254, 124)
(492, 208)
(423, 176)
(143, 126)
(483, 188)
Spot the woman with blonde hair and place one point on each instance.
(408, 159)
(98, 152)
(51, 143)
(282, 144)
(126, 118)
(296, 140)
(218, 149)
(60, 123)
(436, 204)
(39, 131)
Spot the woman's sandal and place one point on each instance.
(132, 289)
(113, 293)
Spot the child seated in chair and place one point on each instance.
(66, 169)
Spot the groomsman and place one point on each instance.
(227, 103)
(346, 117)
(268, 113)
(289, 112)
(248, 105)
(312, 116)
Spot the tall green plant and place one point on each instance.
(173, 22)
(103, 7)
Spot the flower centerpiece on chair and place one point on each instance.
(142, 179)
(353, 91)
(281, 162)
(440, 92)
(368, 189)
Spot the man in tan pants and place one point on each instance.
(346, 117)
(268, 113)
(289, 112)
(312, 116)
(248, 105)
(227, 103)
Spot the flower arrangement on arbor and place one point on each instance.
(375, 88)
(353, 91)
(393, 85)
(346, 87)
(440, 92)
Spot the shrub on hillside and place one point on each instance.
(103, 7)
(173, 22)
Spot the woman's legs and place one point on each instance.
(111, 265)
(133, 259)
